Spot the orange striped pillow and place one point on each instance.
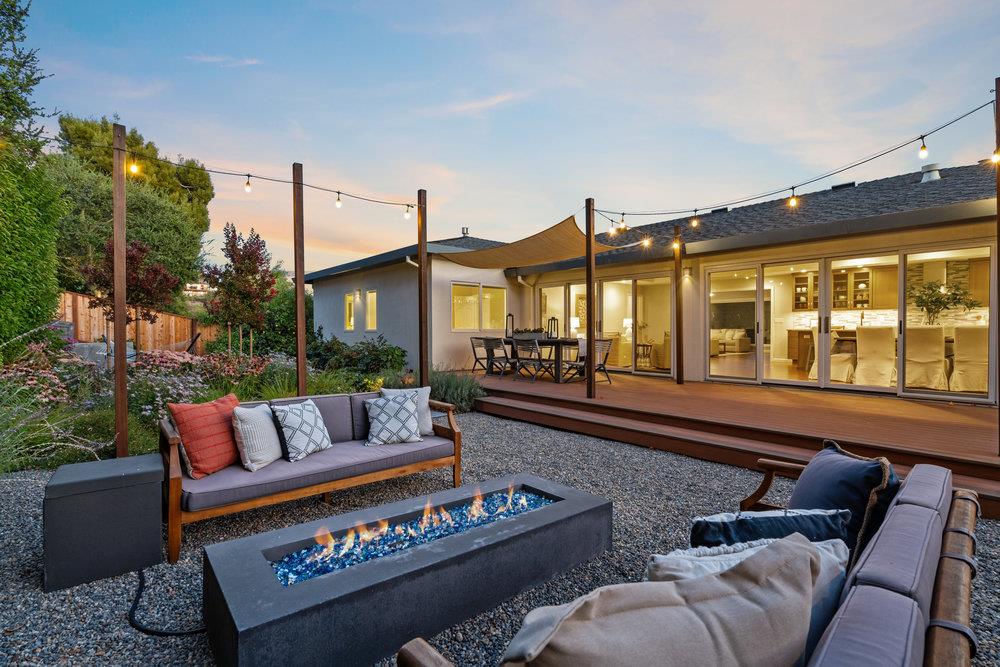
(206, 431)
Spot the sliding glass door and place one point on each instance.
(733, 324)
(653, 319)
(617, 322)
(792, 303)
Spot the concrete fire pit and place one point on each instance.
(365, 612)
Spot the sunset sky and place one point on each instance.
(510, 114)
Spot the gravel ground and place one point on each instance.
(654, 495)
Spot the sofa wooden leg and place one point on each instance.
(173, 521)
(457, 475)
(327, 497)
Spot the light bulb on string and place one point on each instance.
(134, 168)
(406, 213)
(338, 203)
(622, 227)
(694, 220)
(923, 148)
(646, 242)
(995, 158)
(247, 188)
(793, 201)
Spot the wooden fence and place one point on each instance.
(169, 332)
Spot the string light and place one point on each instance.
(338, 203)
(134, 168)
(246, 186)
(676, 245)
(793, 201)
(646, 242)
(695, 221)
(996, 156)
(923, 147)
(406, 213)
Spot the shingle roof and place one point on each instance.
(896, 194)
(470, 243)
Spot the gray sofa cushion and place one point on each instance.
(335, 410)
(928, 486)
(903, 556)
(873, 627)
(359, 415)
(344, 459)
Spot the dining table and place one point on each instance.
(557, 347)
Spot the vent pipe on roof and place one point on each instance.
(465, 231)
(932, 172)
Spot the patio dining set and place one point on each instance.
(562, 359)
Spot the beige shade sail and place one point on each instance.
(561, 241)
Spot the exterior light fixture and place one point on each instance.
(134, 168)
(406, 213)
(676, 245)
(995, 158)
(622, 227)
(247, 188)
(687, 271)
(338, 203)
(923, 148)
(694, 220)
(793, 201)
(646, 242)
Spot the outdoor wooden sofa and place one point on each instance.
(348, 463)
(907, 600)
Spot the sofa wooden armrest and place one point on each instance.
(770, 468)
(453, 433)
(170, 442)
(418, 653)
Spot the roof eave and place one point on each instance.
(970, 211)
(378, 261)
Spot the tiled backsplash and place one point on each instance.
(874, 318)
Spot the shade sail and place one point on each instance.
(561, 241)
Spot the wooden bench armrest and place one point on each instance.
(418, 653)
(451, 431)
(951, 601)
(170, 441)
(770, 468)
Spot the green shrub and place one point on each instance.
(459, 389)
(30, 209)
(367, 356)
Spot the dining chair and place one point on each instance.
(876, 357)
(841, 363)
(497, 359)
(575, 370)
(528, 357)
(925, 358)
(479, 354)
(971, 362)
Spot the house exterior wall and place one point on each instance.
(695, 294)
(451, 349)
(397, 315)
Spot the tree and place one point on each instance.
(19, 74)
(245, 285)
(30, 209)
(278, 332)
(187, 185)
(86, 225)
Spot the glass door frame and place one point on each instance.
(823, 342)
(991, 378)
(671, 293)
(707, 272)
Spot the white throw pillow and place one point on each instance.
(303, 429)
(256, 438)
(392, 420)
(703, 561)
(421, 396)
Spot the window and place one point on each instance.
(494, 308)
(348, 312)
(371, 310)
(552, 302)
(465, 307)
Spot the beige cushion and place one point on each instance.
(756, 613)
(256, 437)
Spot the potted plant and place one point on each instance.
(530, 334)
(934, 298)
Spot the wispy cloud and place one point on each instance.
(477, 107)
(223, 61)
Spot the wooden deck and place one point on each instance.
(737, 424)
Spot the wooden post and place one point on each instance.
(120, 302)
(76, 316)
(422, 289)
(591, 303)
(300, 285)
(229, 339)
(678, 246)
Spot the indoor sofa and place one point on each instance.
(349, 462)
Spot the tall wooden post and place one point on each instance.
(678, 246)
(120, 301)
(422, 289)
(591, 303)
(300, 285)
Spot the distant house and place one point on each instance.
(827, 294)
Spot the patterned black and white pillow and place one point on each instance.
(392, 420)
(303, 429)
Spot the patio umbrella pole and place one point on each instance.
(120, 303)
(591, 302)
(422, 280)
(300, 285)
(678, 246)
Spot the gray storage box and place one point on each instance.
(102, 519)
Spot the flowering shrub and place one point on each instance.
(43, 383)
(233, 368)
(151, 388)
(168, 361)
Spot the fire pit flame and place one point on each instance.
(361, 543)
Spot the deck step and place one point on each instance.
(707, 445)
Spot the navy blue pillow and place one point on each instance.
(728, 528)
(836, 479)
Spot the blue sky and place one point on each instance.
(510, 114)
